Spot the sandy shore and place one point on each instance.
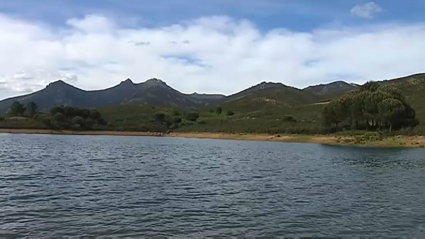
(396, 141)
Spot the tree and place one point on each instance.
(391, 111)
(69, 111)
(77, 121)
(16, 109)
(177, 119)
(59, 117)
(95, 115)
(31, 109)
(370, 86)
(373, 105)
(218, 110)
(57, 109)
(160, 116)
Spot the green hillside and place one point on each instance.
(265, 108)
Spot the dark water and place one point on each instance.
(58, 186)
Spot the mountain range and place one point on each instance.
(156, 92)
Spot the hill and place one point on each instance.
(263, 108)
(268, 95)
(152, 92)
(331, 90)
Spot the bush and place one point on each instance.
(160, 116)
(230, 113)
(77, 121)
(218, 110)
(202, 122)
(192, 116)
(2, 118)
(288, 118)
(176, 113)
(59, 117)
(177, 119)
(46, 121)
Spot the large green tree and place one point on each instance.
(391, 111)
(16, 109)
(32, 109)
(373, 106)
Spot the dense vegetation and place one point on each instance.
(59, 117)
(395, 106)
(373, 107)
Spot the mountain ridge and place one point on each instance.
(156, 92)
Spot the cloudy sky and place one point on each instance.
(214, 46)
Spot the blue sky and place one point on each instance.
(266, 14)
(215, 46)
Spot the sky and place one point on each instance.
(209, 46)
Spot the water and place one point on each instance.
(59, 186)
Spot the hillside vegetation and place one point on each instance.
(269, 108)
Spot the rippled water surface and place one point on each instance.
(58, 186)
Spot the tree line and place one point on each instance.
(373, 107)
(60, 117)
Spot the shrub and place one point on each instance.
(77, 121)
(176, 113)
(230, 113)
(192, 116)
(288, 118)
(218, 110)
(160, 116)
(177, 119)
(46, 121)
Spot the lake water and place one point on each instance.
(59, 186)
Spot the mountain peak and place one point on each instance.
(128, 82)
(155, 82)
(57, 83)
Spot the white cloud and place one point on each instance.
(213, 55)
(367, 10)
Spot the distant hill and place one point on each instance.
(152, 92)
(269, 95)
(155, 92)
(331, 90)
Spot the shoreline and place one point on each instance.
(392, 141)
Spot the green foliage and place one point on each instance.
(67, 117)
(177, 119)
(77, 121)
(57, 109)
(47, 122)
(373, 107)
(176, 113)
(31, 110)
(370, 86)
(218, 110)
(59, 117)
(230, 113)
(16, 109)
(192, 116)
(160, 116)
